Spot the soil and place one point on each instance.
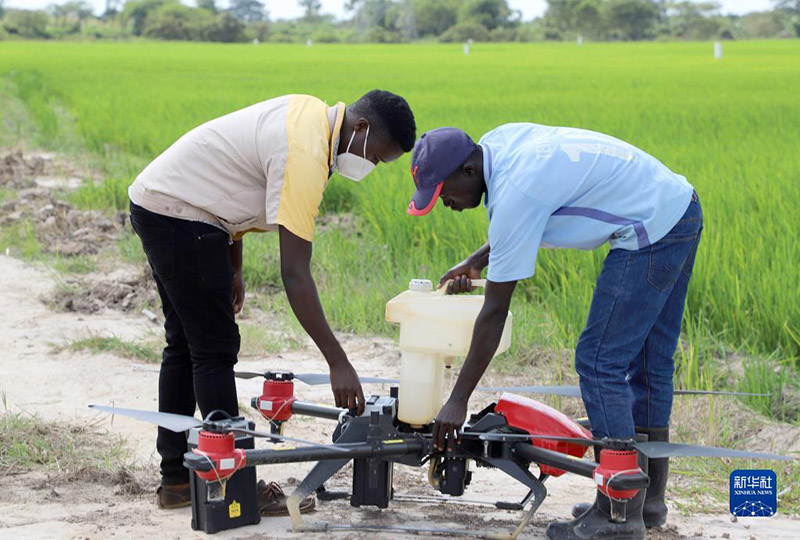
(23, 169)
(129, 290)
(17, 170)
(60, 228)
(58, 386)
(40, 179)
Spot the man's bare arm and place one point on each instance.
(304, 300)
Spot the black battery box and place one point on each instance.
(239, 507)
(372, 483)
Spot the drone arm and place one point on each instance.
(534, 454)
(318, 411)
(352, 451)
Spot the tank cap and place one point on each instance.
(422, 285)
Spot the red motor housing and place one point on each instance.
(275, 402)
(538, 419)
(616, 463)
(220, 449)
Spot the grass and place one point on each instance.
(705, 488)
(779, 382)
(148, 352)
(16, 124)
(30, 442)
(258, 340)
(701, 485)
(67, 452)
(727, 125)
(76, 264)
(723, 124)
(6, 194)
(129, 247)
(19, 239)
(110, 195)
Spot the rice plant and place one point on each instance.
(729, 126)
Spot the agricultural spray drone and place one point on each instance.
(510, 435)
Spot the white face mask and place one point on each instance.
(352, 166)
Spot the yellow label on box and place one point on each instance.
(234, 510)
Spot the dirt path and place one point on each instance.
(59, 385)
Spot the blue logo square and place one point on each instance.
(753, 493)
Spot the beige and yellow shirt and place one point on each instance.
(250, 170)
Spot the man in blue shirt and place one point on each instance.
(572, 188)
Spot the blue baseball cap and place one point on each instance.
(437, 154)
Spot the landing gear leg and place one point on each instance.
(537, 491)
(318, 475)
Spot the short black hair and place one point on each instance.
(390, 114)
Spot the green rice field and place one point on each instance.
(731, 126)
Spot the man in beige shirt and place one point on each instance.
(262, 168)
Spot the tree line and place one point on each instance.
(396, 21)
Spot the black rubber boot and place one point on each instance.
(579, 509)
(596, 522)
(655, 507)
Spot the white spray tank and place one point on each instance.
(434, 328)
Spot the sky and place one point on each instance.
(288, 9)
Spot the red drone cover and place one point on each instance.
(539, 419)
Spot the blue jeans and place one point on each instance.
(624, 356)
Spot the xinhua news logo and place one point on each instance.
(753, 493)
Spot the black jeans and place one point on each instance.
(192, 268)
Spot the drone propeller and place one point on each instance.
(650, 449)
(248, 374)
(574, 391)
(170, 421)
(324, 378)
(179, 423)
(663, 449)
(308, 378)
